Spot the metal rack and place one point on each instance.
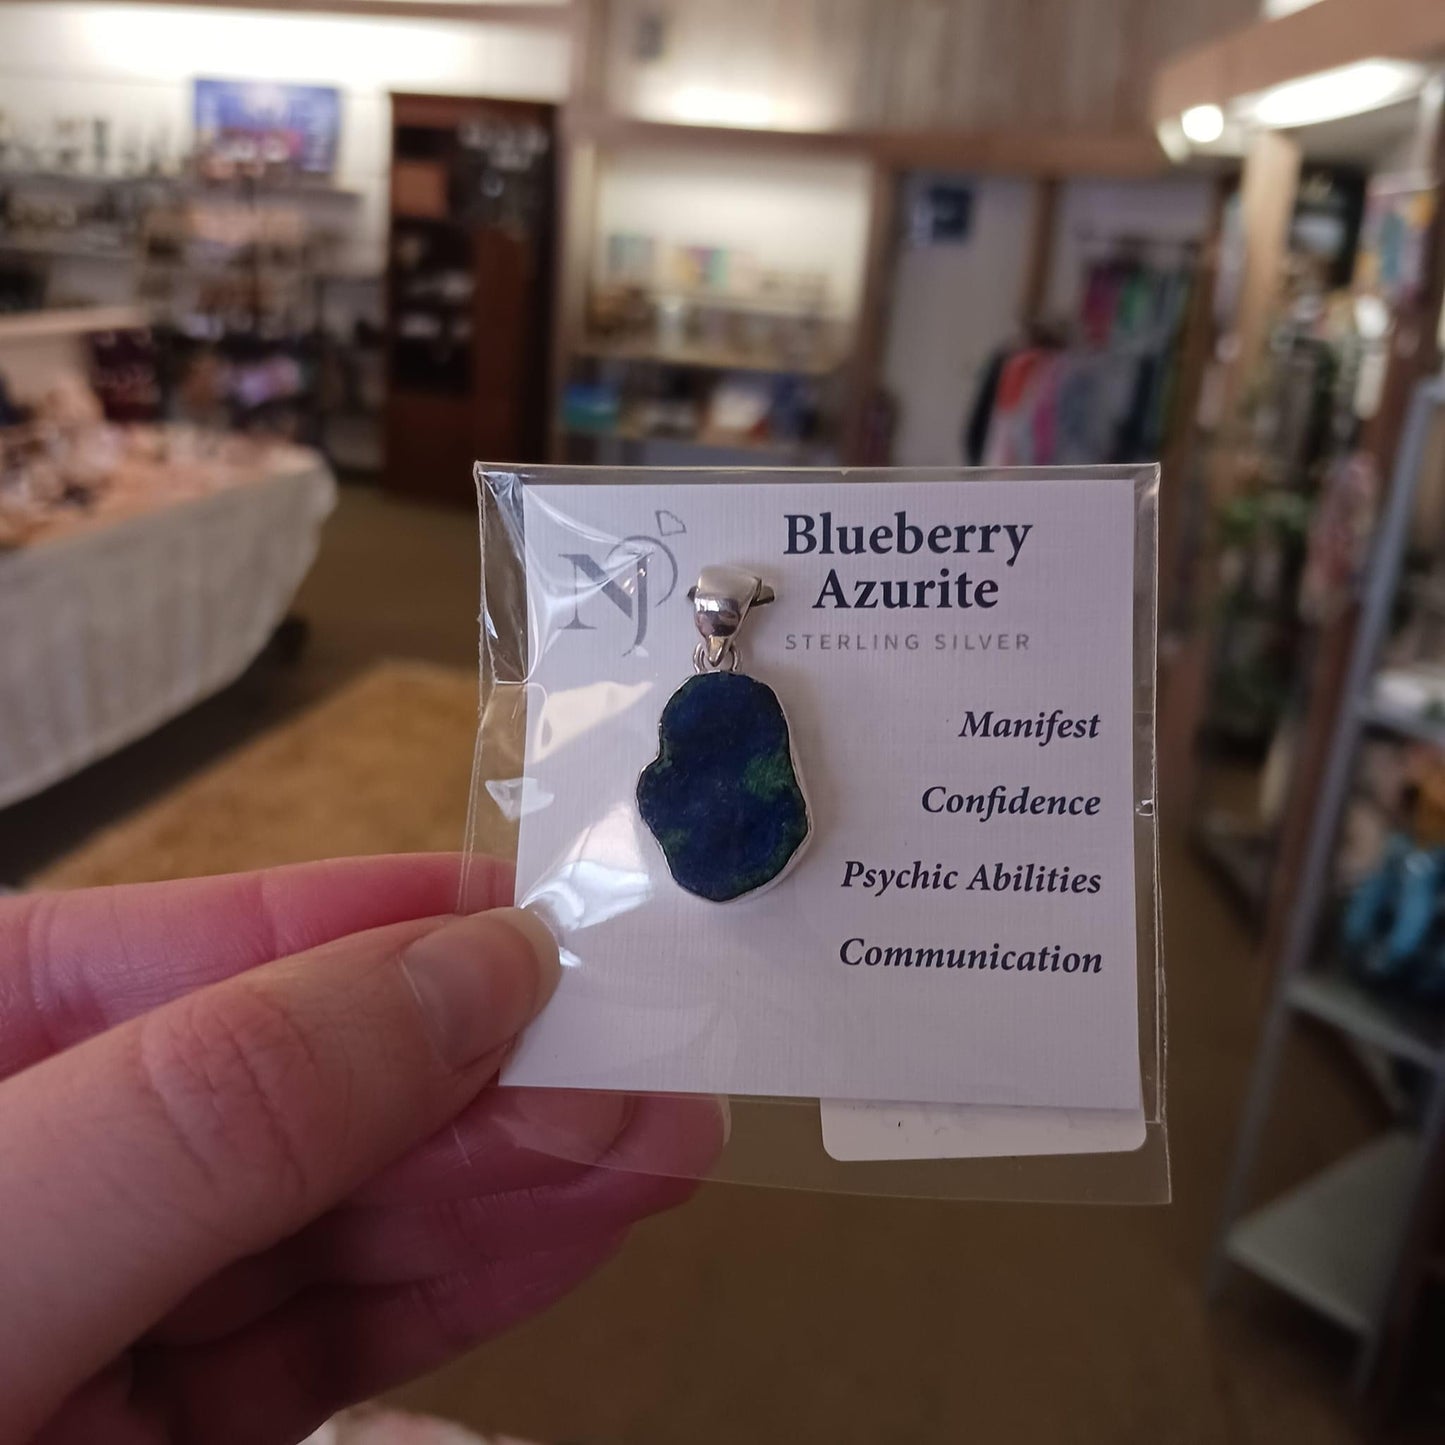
(1298, 430)
(1339, 1242)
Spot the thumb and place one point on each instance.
(142, 1161)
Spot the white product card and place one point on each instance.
(955, 659)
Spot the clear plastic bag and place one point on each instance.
(588, 630)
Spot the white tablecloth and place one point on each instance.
(108, 632)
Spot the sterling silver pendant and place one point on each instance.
(723, 797)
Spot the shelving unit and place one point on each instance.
(684, 305)
(1330, 995)
(116, 239)
(47, 250)
(238, 267)
(469, 253)
(188, 184)
(1272, 461)
(703, 358)
(1342, 1242)
(1323, 1242)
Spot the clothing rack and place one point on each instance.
(1107, 398)
(1128, 244)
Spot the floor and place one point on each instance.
(766, 1316)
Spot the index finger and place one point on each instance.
(75, 963)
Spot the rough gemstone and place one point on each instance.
(721, 797)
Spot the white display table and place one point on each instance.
(111, 626)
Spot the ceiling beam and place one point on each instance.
(1324, 36)
(1026, 152)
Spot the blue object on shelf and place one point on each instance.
(590, 407)
(1370, 912)
(1416, 904)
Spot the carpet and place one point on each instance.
(382, 766)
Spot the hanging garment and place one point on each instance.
(1131, 444)
(1043, 403)
(1084, 431)
(1009, 444)
(980, 415)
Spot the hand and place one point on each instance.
(251, 1168)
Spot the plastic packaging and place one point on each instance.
(541, 553)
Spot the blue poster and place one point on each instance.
(291, 127)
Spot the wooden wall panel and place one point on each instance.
(911, 64)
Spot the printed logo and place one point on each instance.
(635, 575)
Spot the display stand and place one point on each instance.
(1343, 1242)
(468, 265)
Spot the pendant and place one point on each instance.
(723, 797)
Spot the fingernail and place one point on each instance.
(480, 980)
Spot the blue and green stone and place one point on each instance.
(721, 797)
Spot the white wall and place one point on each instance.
(134, 64)
(952, 305)
(796, 214)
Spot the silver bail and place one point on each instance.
(721, 599)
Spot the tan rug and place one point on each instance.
(382, 766)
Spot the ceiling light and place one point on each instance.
(1202, 124)
(1334, 94)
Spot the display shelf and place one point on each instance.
(775, 450)
(65, 251)
(209, 267)
(705, 358)
(185, 185)
(1404, 1031)
(75, 180)
(483, 394)
(747, 305)
(1329, 1242)
(1419, 726)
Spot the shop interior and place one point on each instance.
(272, 279)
